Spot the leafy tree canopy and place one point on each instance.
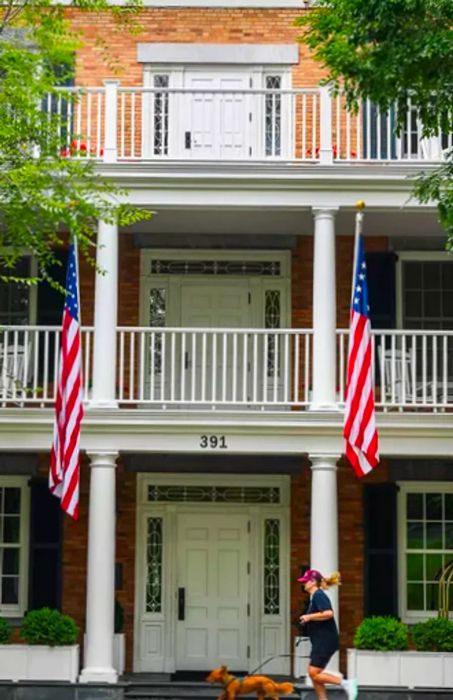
(45, 195)
(386, 51)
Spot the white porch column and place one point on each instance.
(98, 656)
(324, 524)
(324, 311)
(105, 317)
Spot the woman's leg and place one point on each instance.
(316, 674)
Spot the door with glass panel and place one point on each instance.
(217, 115)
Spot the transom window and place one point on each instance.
(427, 545)
(172, 493)
(215, 267)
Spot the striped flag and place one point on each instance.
(361, 438)
(64, 457)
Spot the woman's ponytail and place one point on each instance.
(332, 580)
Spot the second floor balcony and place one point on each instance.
(302, 126)
(225, 369)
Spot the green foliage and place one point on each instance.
(43, 194)
(51, 627)
(435, 634)
(386, 51)
(5, 631)
(437, 186)
(381, 634)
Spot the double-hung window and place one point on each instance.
(425, 545)
(14, 523)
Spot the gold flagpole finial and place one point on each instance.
(360, 204)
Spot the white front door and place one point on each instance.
(216, 124)
(216, 358)
(212, 582)
(215, 305)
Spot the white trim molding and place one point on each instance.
(155, 634)
(242, 54)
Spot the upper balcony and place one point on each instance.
(225, 369)
(304, 126)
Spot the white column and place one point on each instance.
(324, 311)
(105, 317)
(324, 524)
(98, 656)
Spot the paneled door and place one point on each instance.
(215, 362)
(215, 120)
(212, 591)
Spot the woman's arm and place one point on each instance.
(317, 616)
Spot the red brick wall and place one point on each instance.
(182, 25)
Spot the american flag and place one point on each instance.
(361, 438)
(64, 457)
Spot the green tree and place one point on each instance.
(45, 195)
(386, 50)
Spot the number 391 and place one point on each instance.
(213, 442)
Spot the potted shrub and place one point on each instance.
(382, 656)
(50, 651)
(378, 641)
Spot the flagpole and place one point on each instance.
(76, 258)
(360, 206)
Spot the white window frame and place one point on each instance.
(24, 544)
(404, 488)
(413, 256)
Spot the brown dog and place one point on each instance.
(263, 686)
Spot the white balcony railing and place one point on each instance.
(302, 125)
(228, 369)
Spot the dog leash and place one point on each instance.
(271, 658)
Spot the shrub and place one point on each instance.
(46, 626)
(435, 634)
(381, 634)
(5, 631)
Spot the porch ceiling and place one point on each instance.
(229, 228)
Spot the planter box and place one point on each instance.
(30, 662)
(408, 669)
(119, 653)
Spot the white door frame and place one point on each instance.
(258, 283)
(269, 634)
(257, 75)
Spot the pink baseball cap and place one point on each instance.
(310, 575)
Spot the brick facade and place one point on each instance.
(350, 489)
(251, 26)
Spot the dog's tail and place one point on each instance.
(285, 688)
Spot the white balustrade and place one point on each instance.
(29, 362)
(214, 368)
(370, 134)
(298, 125)
(412, 369)
(227, 369)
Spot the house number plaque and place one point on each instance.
(213, 442)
